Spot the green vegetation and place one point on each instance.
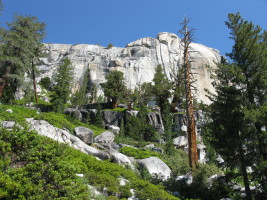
(61, 90)
(114, 89)
(137, 153)
(139, 129)
(56, 119)
(79, 98)
(235, 113)
(36, 167)
(20, 50)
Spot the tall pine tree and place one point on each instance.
(238, 121)
(61, 89)
(21, 49)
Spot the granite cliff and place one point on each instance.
(137, 61)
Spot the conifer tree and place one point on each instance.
(21, 49)
(79, 98)
(61, 89)
(114, 88)
(161, 88)
(236, 112)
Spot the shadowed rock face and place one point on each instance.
(137, 61)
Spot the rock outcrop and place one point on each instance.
(156, 167)
(85, 134)
(137, 61)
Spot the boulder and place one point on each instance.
(85, 134)
(9, 110)
(180, 141)
(112, 117)
(106, 137)
(159, 150)
(188, 178)
(156, 167)
(149, 146)
(114, 129)
(8, 124)
(120, 158)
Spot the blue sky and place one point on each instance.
(123, 21)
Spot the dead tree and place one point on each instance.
(187, 34)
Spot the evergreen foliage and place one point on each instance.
(236, 115)
(138, 127)
(161, 88)
(61, 89)
(20, 50)
(79, 98)
(98, 121)
(114, 89)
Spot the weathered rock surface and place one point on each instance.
(85, 134)
(137, 61)
(8, 124)
(156, 167)
(114, 129)
(180, 141)
(106, 137)
(112, 117)
(63, 136)
(120, 158)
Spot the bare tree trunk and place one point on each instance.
(34, 83)
(191, 127)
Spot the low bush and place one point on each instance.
(36, 167)
(137, 153)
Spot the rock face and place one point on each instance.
(105, 138)
(137, 61)
(85, 134)
(156, 167)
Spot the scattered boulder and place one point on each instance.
(160, 150)
(180, 141)
(85, 134)
(63, 136)
(8, 124)
(105, 137)
(156, 167)
(114, 129)
(123, 181)
(120, 158)
(9, 110)
(149, 146)
(188, 178)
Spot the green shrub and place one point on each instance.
(36, 167)
(137, 153)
